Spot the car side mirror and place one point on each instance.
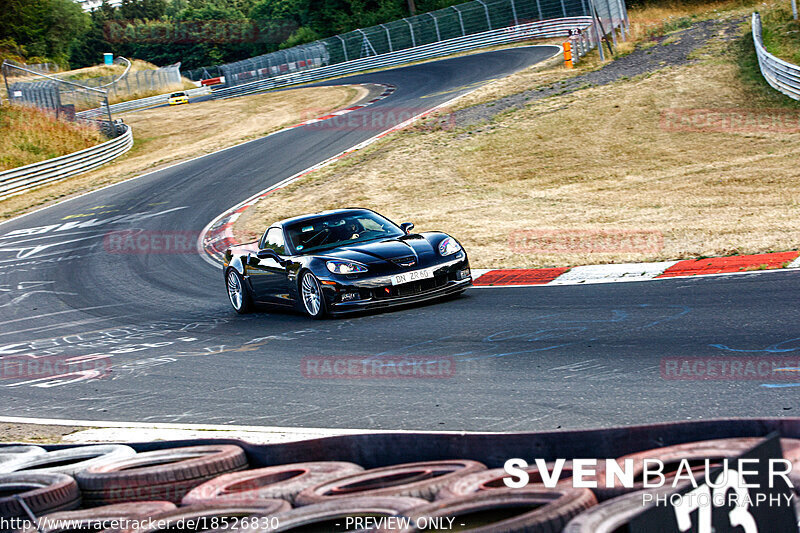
(269, 253)
(406, 227)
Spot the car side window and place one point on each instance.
(274, 239)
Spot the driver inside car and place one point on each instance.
(350, 230)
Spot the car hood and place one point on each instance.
(381, 251)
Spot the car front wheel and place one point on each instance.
(238, 292)
(311, 294)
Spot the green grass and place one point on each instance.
(781, 34)
(750, 75)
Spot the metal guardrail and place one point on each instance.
(532, 30)
(141, 103)
(781, 75)
(19, 180)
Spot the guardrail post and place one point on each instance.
(514, 13)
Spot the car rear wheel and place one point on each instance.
(238, 293)
(311, 294)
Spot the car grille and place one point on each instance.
(406, 261)
(410, 289)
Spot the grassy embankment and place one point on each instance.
(167, 135)
(612, 158)
(28, 136)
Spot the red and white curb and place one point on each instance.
(387, 90)
(636, 271)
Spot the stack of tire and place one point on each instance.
(107, 485)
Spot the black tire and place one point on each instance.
(15, 453)
(416, 480)
(69, 461)
(309, 281)
(158, 475)
(105, 516)
(715, 450)
(42, 493)
(316, 517)
(493, 480)
(235, 282)
(611, 515)
(506, 510)
(282, 481)
(202, 514)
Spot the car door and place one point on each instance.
(268, 277)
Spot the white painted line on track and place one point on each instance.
(112, 431)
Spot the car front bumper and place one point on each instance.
(376, 293)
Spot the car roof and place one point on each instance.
(319, 214)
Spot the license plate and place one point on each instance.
(408, 277)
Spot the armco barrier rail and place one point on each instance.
(19, 180)
(141, 103)
(532, 30)
(781, 75)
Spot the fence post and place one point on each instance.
(539, 7)
(461, 20)
(622, 20)
(598, 34)
(367, 43)
(486, 8)
(794, 9)
(563, 9)
(388, 36)
(411, 29)
(344, 47)
(436, 25)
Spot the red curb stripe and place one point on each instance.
(721, 265)
(522, 276)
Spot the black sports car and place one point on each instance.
(344, 260)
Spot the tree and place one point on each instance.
(45, 28)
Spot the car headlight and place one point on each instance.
(345, 267)
(449, 246)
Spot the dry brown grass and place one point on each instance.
(598, 159)
(647, 23)
(28, 135)
(168, 135)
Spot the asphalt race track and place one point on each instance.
(152, 337)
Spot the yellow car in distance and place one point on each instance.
(178, 98)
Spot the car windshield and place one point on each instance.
(331, 231)
(177, 95)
